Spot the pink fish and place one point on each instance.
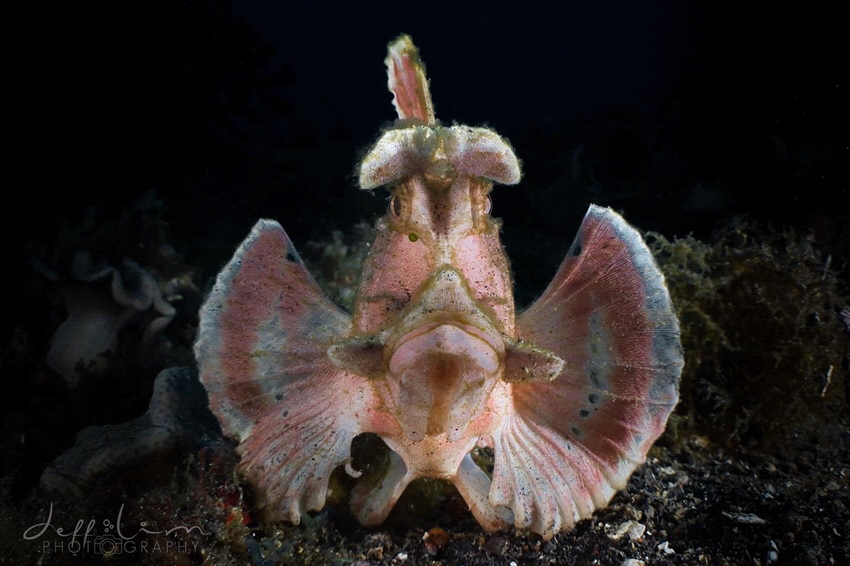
(570, 394)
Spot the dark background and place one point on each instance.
(677, 114)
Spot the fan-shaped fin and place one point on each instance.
(607, 315)
(262, 351)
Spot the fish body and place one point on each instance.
(434, 359)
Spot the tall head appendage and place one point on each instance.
(440, 178)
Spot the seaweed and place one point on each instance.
(765, 348)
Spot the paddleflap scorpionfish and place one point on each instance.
(570, 394)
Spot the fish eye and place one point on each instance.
(395, 206)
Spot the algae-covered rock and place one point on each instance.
(764, 345)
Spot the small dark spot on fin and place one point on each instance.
(584, 413)
(291, 256)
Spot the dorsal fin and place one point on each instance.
(408, 83)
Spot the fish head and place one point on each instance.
(435, 302)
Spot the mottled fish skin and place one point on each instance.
(433, 359)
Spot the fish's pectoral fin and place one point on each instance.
(262, 353)
(362, 355)
(291, 453)
(567, 445)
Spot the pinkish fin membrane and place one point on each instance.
(408, 83)
(262, 351)
(607, 315)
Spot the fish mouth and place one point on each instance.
(446, 303)
(442, 374)
(447, 339)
